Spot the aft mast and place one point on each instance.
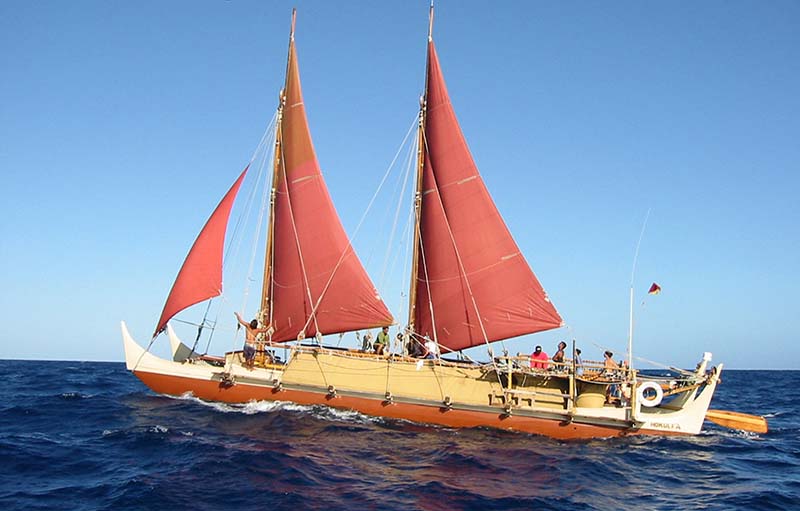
(467, 271)
(412, 294)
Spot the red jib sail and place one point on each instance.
(469, 263)
(312, 255)
(200, 276)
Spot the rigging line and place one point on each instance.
(427, 285)
(271, 255)
(638, 244)
(200, 330)
(409, 160)
(259, 225)
(408, 237)
(233, 249)
(259, 154)
(664, 366)
(299, 248)
(349, 248)
(658, 364)
(150, 345)
(248, 204)
(633, 269)
(267, 130)
(386, 213)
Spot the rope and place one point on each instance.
(143, 354)
(230, 248)
(257, 237)
(349, 246)
(460, 265)
(261, 153)
(409, 160)
(299, 248)
(408, 236)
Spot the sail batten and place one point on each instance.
(475, 280)
(200, 276)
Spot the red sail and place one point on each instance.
(200, 276)
(469, 263)
(310, 242)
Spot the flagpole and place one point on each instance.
(633, 272)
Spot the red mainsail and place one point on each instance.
(312, 255)
(468, 263)
(200, 277)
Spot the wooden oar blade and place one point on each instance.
(736, 420)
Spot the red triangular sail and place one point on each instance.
(469, 262)
(200, 277)
(309, 241)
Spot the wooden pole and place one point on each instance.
(412, 292)
(266, 294)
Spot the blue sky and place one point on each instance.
(122, 124)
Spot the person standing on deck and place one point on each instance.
(609, 365)
(251, 332)
(611, 370)
(578, 362)
(558, 358)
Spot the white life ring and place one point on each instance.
(653, 400)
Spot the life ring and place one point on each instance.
(652, 400)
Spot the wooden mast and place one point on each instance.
(266, 289)
(412, 293)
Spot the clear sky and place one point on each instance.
(123, 123)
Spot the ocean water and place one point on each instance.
(90, 436)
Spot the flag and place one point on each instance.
(654, 289)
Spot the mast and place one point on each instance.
(265, 313)
(313, 281)
(469, 268)
(412, 293)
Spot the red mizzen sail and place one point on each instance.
(200, 277)
(310, 242)
(469, 263)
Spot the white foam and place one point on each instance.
(321, 412)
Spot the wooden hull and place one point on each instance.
(422, 392)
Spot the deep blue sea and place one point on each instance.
(90, 436)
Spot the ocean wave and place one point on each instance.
(74, 395)
(97, 439)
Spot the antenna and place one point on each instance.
(633, 272)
